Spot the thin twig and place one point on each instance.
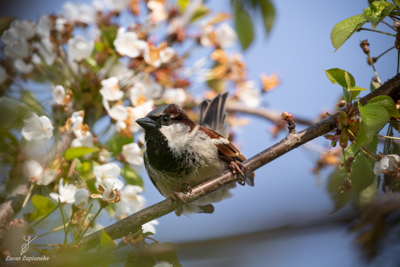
(366, 29)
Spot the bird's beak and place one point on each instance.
(146, 123)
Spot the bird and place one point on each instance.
(181, 154)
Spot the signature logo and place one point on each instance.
(25, 247)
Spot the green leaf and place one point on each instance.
(130, 176)
(42, 206)
(244, 26)
(373, 118)
(116, 143)
(387, 103)
(339, 197)
(356, 88)
(106, 243)
(108, 35)
(5, 23)
(111, 208)
(200, 12)
(362, 139)
(374, 85)
(397, 2)
(77, 152)
(182, 4)
(344, 29)
(350, 95)
(268, 14)
(362, 170)
(166, 252)
(338, 76)
(218, 85)
(31, 102)
(377, 11)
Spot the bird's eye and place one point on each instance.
(165, 118)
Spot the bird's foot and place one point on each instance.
(186, 188)
(176, 197)
(237, 167)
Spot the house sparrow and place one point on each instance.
(181, 154)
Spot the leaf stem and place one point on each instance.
(65, 230)
(384, 22)
(373, 67)
(69, 224)
(56, 207)
(390, 137)
(51, 231)
(28, 196)
(366, 29)
(80, 226)
(385, 52)
(91, 222)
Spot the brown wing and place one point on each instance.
(226, 150)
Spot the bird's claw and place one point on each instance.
(186, 188)
(237, 167)
(176, 197)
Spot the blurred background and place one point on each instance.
(286, 219)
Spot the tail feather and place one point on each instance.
(213, 114)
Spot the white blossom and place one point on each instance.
(46, 50)
(110, 90)
(59, 94)
(17, 49)
(128, 44)
(387, 163)
(104, 155)
(130, 201)
(3, 74)
(79, 48)
(225, 36)
(205, 32)
(19, 30)
(118, 113)
(177, 96)
(143, 90)
(150, 226)
(163, 264)
(81, 196)
(83, 140)
(60, 24)
(43, 26)
(248, 94)
(47, 177)
(66, 193)
(116, 5)
(137, 113)
(167, 54)
(132, 154)
(36, 128)
(77, 122)
(22, 67)
(32, 169)
(84, 13)
(107, 175)
(158, 11)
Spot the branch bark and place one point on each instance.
(292, 141)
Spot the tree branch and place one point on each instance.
(270, 115)
(134, 221)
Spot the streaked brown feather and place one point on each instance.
(227, 152)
